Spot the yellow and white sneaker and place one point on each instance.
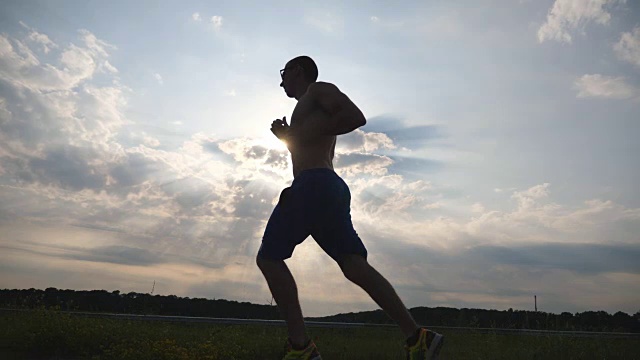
(427, 347)
(310, 352)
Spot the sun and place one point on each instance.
(271, 142)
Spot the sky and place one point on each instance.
(497, 162)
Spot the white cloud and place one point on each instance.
(527, 198)
(196, 16)
(386, 197)
(39, 38)
(628, 48)
(20, 66)
(568, 15)
(253, 155)
(107, 65)
(596, 85)
(375, 19)
(534, 219)
(231, 92)
(158, 77)
(96, 46)
(217, 20)
(78, 61)
(368, 142)
(149, 140)
(477, 208)
(357, 163)
(61, 97)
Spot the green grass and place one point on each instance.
(45, 334)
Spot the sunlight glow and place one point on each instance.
(271, 142)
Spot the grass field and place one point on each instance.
(51, 335)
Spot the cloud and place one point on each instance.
(109, 67)
(534, 218)
(20, 66)
(66, 167)
(118, 254)
(359, 140)
(216, 20)
(158, 77)
(252, 155)
(375, 19)
(41, 39)
(504, 276)
(501, 258)
(404, 136)
(565, 16)
(628, 47)
(149, 140)
(196, 17)
(413, 166)
(361, 163)
(389, 194)
(596, 85)
(477, 208)
(580, 258)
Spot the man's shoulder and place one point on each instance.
(322, 86)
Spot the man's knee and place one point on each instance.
(264, 262)
(261, 261)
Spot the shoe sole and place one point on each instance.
(436, 346)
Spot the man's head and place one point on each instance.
(297, 75)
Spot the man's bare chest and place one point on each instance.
(305, 109)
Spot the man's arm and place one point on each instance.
(344, 114)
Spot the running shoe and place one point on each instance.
(310, 352)
(427, 347)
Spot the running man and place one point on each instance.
(318, 204)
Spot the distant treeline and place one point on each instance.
(133, 303)
(505, 319)
(141, 303)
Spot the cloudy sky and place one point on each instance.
(499, 161)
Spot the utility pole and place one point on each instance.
(153, 287)
(535, 302)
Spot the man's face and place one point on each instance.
(287, 75)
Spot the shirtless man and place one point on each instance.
(318, 204)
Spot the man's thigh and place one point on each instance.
(287, 227)
(332, 227)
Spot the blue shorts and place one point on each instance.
(318, 204)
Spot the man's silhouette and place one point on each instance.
(318, 204)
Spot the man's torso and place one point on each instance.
(314, 154)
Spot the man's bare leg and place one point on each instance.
(284, 291)
(357, 269)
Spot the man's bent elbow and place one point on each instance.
(362, 121)
(355, 124)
